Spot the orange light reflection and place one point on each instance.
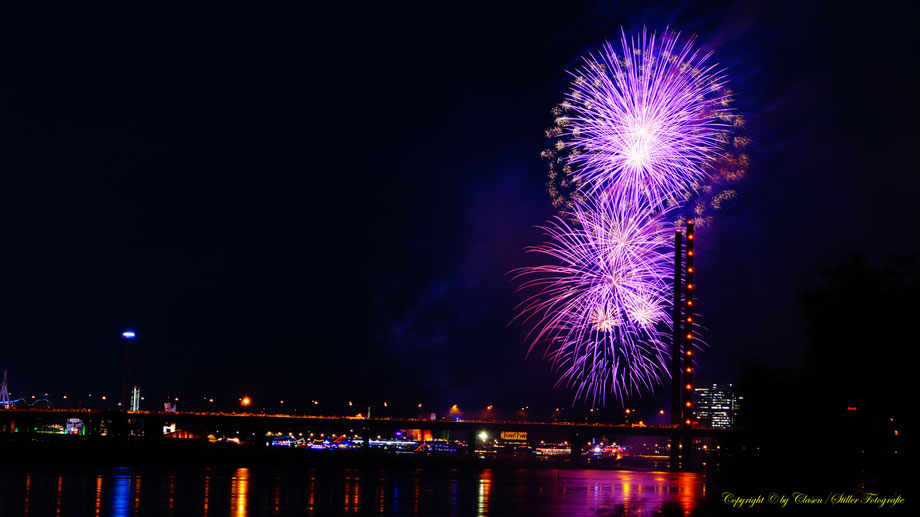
(239, 492)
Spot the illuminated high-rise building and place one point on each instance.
(135, 399)
(717, 406)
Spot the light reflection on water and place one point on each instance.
(121, 490)
(28, 498)
(239, 492)
(137, 495)
(98, 494)
(60, 486)
(206, 494)
(246, 492)
(485, 489)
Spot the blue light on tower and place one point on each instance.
(128, 334)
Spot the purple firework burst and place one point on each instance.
(599, 305)
(648, 117)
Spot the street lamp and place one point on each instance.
(128, 335)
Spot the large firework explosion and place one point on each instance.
(601, 303)
(653, 115)
(645, 137)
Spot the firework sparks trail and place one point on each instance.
(599, 307)
(649, 117)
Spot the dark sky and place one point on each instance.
(291, 203)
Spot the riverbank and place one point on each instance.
(101, 452)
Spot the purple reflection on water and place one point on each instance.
(592, 492)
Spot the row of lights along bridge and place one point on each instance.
(247, 404)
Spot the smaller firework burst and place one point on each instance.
(601, 302)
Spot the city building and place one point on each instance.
(717, 406)
(135, 399)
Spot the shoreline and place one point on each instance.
(185, 453)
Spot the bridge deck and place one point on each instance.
(267, 421)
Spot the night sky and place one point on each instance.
(293, 204)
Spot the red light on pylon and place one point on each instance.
(689, 270)
(689, 386)
(689, 369)
(689, 336)
(690, 253)
(688, 421)
(689, 352)
(688, 403)
(851, 408)
(690, 222)
(690, 319)
(690, 236)
(689, 302)
(689, 286)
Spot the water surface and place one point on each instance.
(249, 492)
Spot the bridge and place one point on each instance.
(682, 429)
(118, 424)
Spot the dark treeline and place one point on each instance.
(845, 421)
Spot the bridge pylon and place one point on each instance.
(676, 377)
(687, 370)
(682, 351)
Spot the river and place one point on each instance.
(263, 491)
